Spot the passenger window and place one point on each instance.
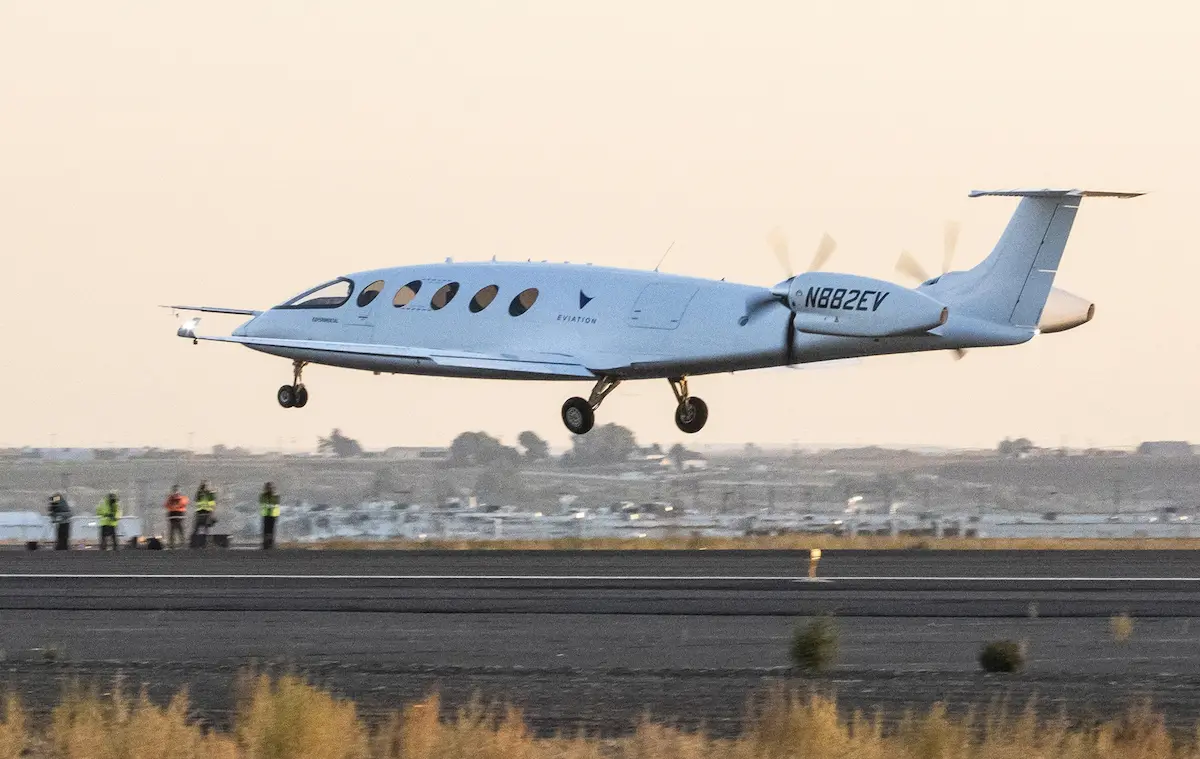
(369, 293)
(329, 295)
(405, 294)
(443, 296)
(523, 302)
(483, 298)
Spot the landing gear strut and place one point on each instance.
(580, 415)
(294, 395)
(691, 413)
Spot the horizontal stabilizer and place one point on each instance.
(1051, 193)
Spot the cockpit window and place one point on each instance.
(523, 302)
(369, 293)
(405, 294)
(329, 295)
(483, 298)
(444, 295)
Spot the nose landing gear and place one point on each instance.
(294, 395)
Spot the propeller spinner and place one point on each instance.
(780, 292)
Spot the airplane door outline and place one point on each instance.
(661, 305)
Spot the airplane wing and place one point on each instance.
(215, 310)
(548, 364)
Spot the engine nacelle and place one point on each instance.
(827, 303)
(1065, 311)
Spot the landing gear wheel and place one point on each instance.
(286, 396)
(301, 393)
(578, 415)
(691, 414)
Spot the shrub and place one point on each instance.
(1002, 656)
(290, 719)
(815, 645)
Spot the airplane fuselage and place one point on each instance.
(628, 324)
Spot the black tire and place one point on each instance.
(301, 397)
(578, 416)
(691, 415)
(286, 396)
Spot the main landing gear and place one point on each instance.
(294, 395)
(691, 413)
(579, 415)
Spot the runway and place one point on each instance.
(977, 584)
(587, 636)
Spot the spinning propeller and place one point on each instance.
(779, 244)
(908, 265)
(779, 293)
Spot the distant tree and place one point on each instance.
(339, 445)
(480, 449)
(678, 454)
(1014, 449)
(501, 484)
(535, 448)
(606, 444)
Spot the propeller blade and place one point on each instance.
(789, 338)
(824, 250)
(779, 244)
(951, 243)
(909, 266)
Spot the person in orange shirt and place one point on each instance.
(176, 506)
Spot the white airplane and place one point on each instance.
(546, 321)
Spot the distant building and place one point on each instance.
(63, 454)
(405, 453)
(1166, 448)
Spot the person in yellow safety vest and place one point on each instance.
(206, 504)
(108, 514)
(268, 504)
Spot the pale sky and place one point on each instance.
(235, 153)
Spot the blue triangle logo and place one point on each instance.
(583, 299)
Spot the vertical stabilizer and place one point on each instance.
(1011, 285)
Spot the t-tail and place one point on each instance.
(1011, 286)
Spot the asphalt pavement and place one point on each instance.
(967, 584)
(679, 632)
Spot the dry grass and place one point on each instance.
(289, 719)
(13, 729)
(796, 542)
(84, 725)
